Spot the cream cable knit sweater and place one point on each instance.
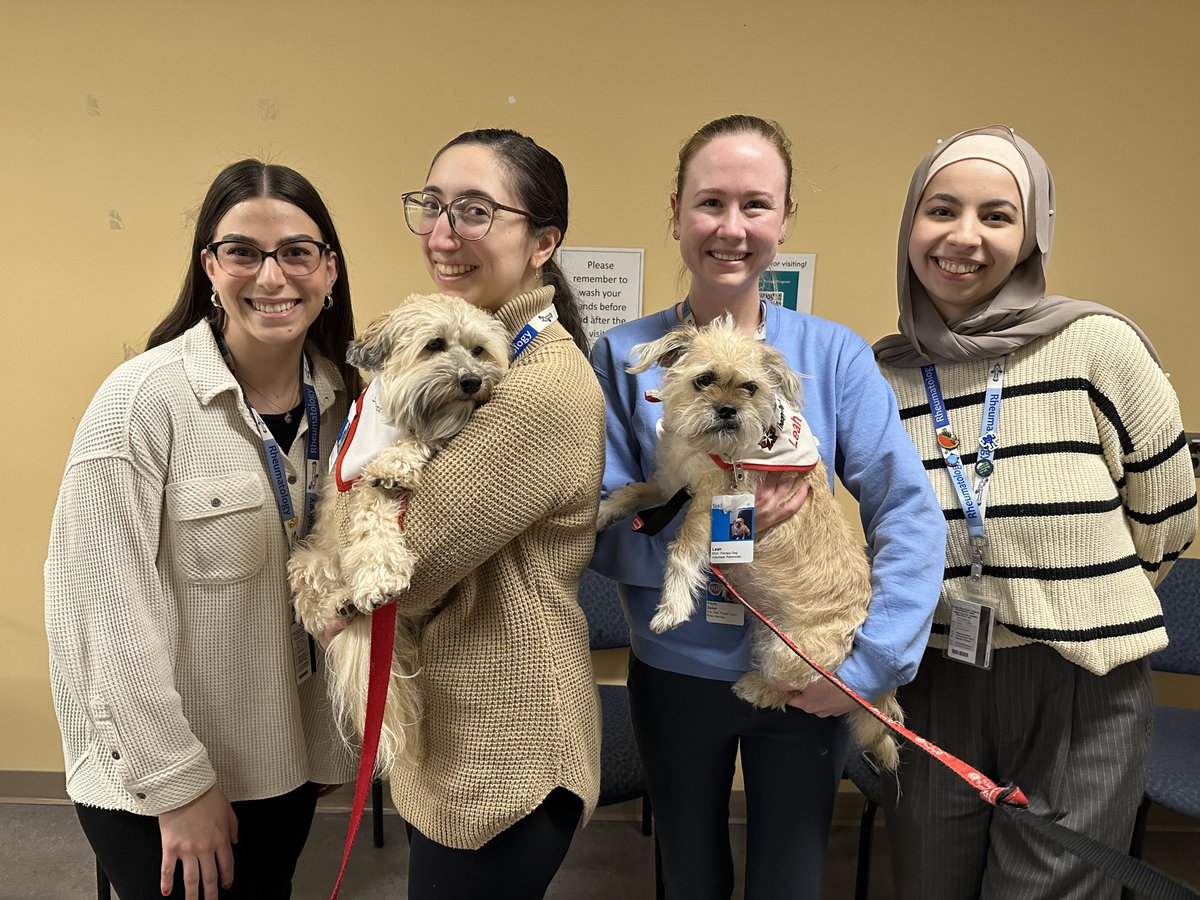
(167, 608)
(1093, 495)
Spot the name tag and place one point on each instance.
(720, 613)
(971, 626)
(732, 537)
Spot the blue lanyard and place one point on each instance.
(973, 501)
(293, 528)
(533, 328)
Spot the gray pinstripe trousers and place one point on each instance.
(1075, 743)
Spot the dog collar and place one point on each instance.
(787, 445)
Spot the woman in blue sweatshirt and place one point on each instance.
(730, 211)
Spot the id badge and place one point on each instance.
(304, 654)
(718, 612)
(971, 626)
(732, 537)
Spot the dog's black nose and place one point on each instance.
(470, 384)
(726, 412)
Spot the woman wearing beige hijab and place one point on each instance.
(1054, 442)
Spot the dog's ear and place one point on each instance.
(787, 382)
(371, 348)
(665, 351)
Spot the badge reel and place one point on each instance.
(972, 618)
(731, 541)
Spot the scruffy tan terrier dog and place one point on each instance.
(810, 575)
(437, 358)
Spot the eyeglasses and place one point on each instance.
(470, 217)
(293, 257)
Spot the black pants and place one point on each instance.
(518, 863)
(271, 834)
(689, 731)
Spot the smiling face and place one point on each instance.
(731, 215)
(270, 308)
(492, 270)
(966, 237)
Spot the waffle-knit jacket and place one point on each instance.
(167, 605)
(503, 526)
(1091, 500)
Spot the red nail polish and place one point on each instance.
(227, 887)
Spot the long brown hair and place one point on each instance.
(247, 180)
(540, 184)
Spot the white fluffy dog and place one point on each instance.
(437, 358)
(810, 574)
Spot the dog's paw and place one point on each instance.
(609, 512)
(368, 597)
(757, 690)
(668, 617)
(395, 469)
(391, 481)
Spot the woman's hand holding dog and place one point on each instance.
(779, 497)
(200, 834)
(820, 698)
(330, 631)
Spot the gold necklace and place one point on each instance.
(292, 400)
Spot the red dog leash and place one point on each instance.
(383, 637)
(989, 791)
(1132, 873)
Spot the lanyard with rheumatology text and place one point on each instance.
(973, 501)
(294, 527)
(533, 328)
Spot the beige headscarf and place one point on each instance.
(1020, 312)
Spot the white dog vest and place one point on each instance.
(360, 439)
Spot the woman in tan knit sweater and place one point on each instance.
(1054, 442)
(503, 526)
(194, 739)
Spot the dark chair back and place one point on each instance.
(1179, 594)
(621, 776)
(602, 606)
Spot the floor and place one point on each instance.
(43, 855)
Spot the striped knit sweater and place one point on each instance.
(1092, 497)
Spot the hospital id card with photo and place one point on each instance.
(732, 536)
(971, 627)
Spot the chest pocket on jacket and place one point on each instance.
(219, 526)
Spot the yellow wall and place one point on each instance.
(133, 106)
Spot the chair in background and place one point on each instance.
(865, 775)
(1171, 770)
(621, 775)
(377, 812)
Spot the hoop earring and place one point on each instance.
(782, 239)
(675, 234)
(328, 304)
(215, 299)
